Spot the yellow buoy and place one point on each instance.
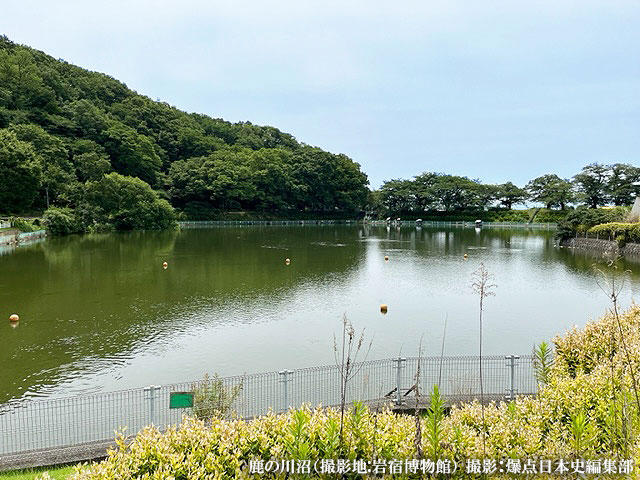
(386, 258)
(383, 308)
(14, 318)
(165, 265)
(466, 256)
(287, 261)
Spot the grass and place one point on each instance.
(31, 473)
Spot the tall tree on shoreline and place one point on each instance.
(623, 184)
(591, 184)
(509, 195)
(551, 190)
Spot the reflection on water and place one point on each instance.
(98, 312)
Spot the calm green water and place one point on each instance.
(100, 312)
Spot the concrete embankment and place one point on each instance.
(9, 237)
(606, 247)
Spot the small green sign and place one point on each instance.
(181, 400)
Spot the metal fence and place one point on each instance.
(216, 223)
(463, 224)
(219, 223)
(57, 423)
(598, 236)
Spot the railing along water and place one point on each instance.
(30, 425)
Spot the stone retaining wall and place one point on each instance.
(11, 237)
(606, 247)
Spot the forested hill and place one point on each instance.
(64, 129)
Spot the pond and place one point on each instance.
(99, 313)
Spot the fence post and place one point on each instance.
(150, 393)
(285, 376)
(512, 366)
(399, 366)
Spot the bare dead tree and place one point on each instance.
(346, 360)
(481, 284)
(612, 285)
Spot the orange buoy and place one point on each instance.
(386, 258)
(14, 318)
(165, 265)
(383, 308)
(287, 261)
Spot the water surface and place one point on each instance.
(98, 312)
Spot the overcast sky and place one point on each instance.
(495, 90)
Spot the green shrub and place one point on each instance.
(60, 221)
(618, 231)
(213, 398)
(582, 219)
(23, 225)
(125, 203)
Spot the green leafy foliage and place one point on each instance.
(63, 128)
(551, 190)
(582, 219)
(61, 221)
(434, 428)
(126, 203)
(20, 172)
(434, 195)
(618, 231)
(591, 185)
(542, 362)
(24, 225)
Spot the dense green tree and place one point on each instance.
(485, 195)
(89, 120)
(125, 203)
(90, 159)
(398, 196)
(132, 154)
(224, 179)
(509, 195)
(591, 184)
(327, 182)
(23, 88)
(551, 190)
(454, 192)
(623, 184)
(424, 190)
(20, 173)
(230, 180)
(272, 176)
(61, 221)
(58, 179)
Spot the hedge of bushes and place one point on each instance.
(621, 232)
(586, 411)
(582, 219)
